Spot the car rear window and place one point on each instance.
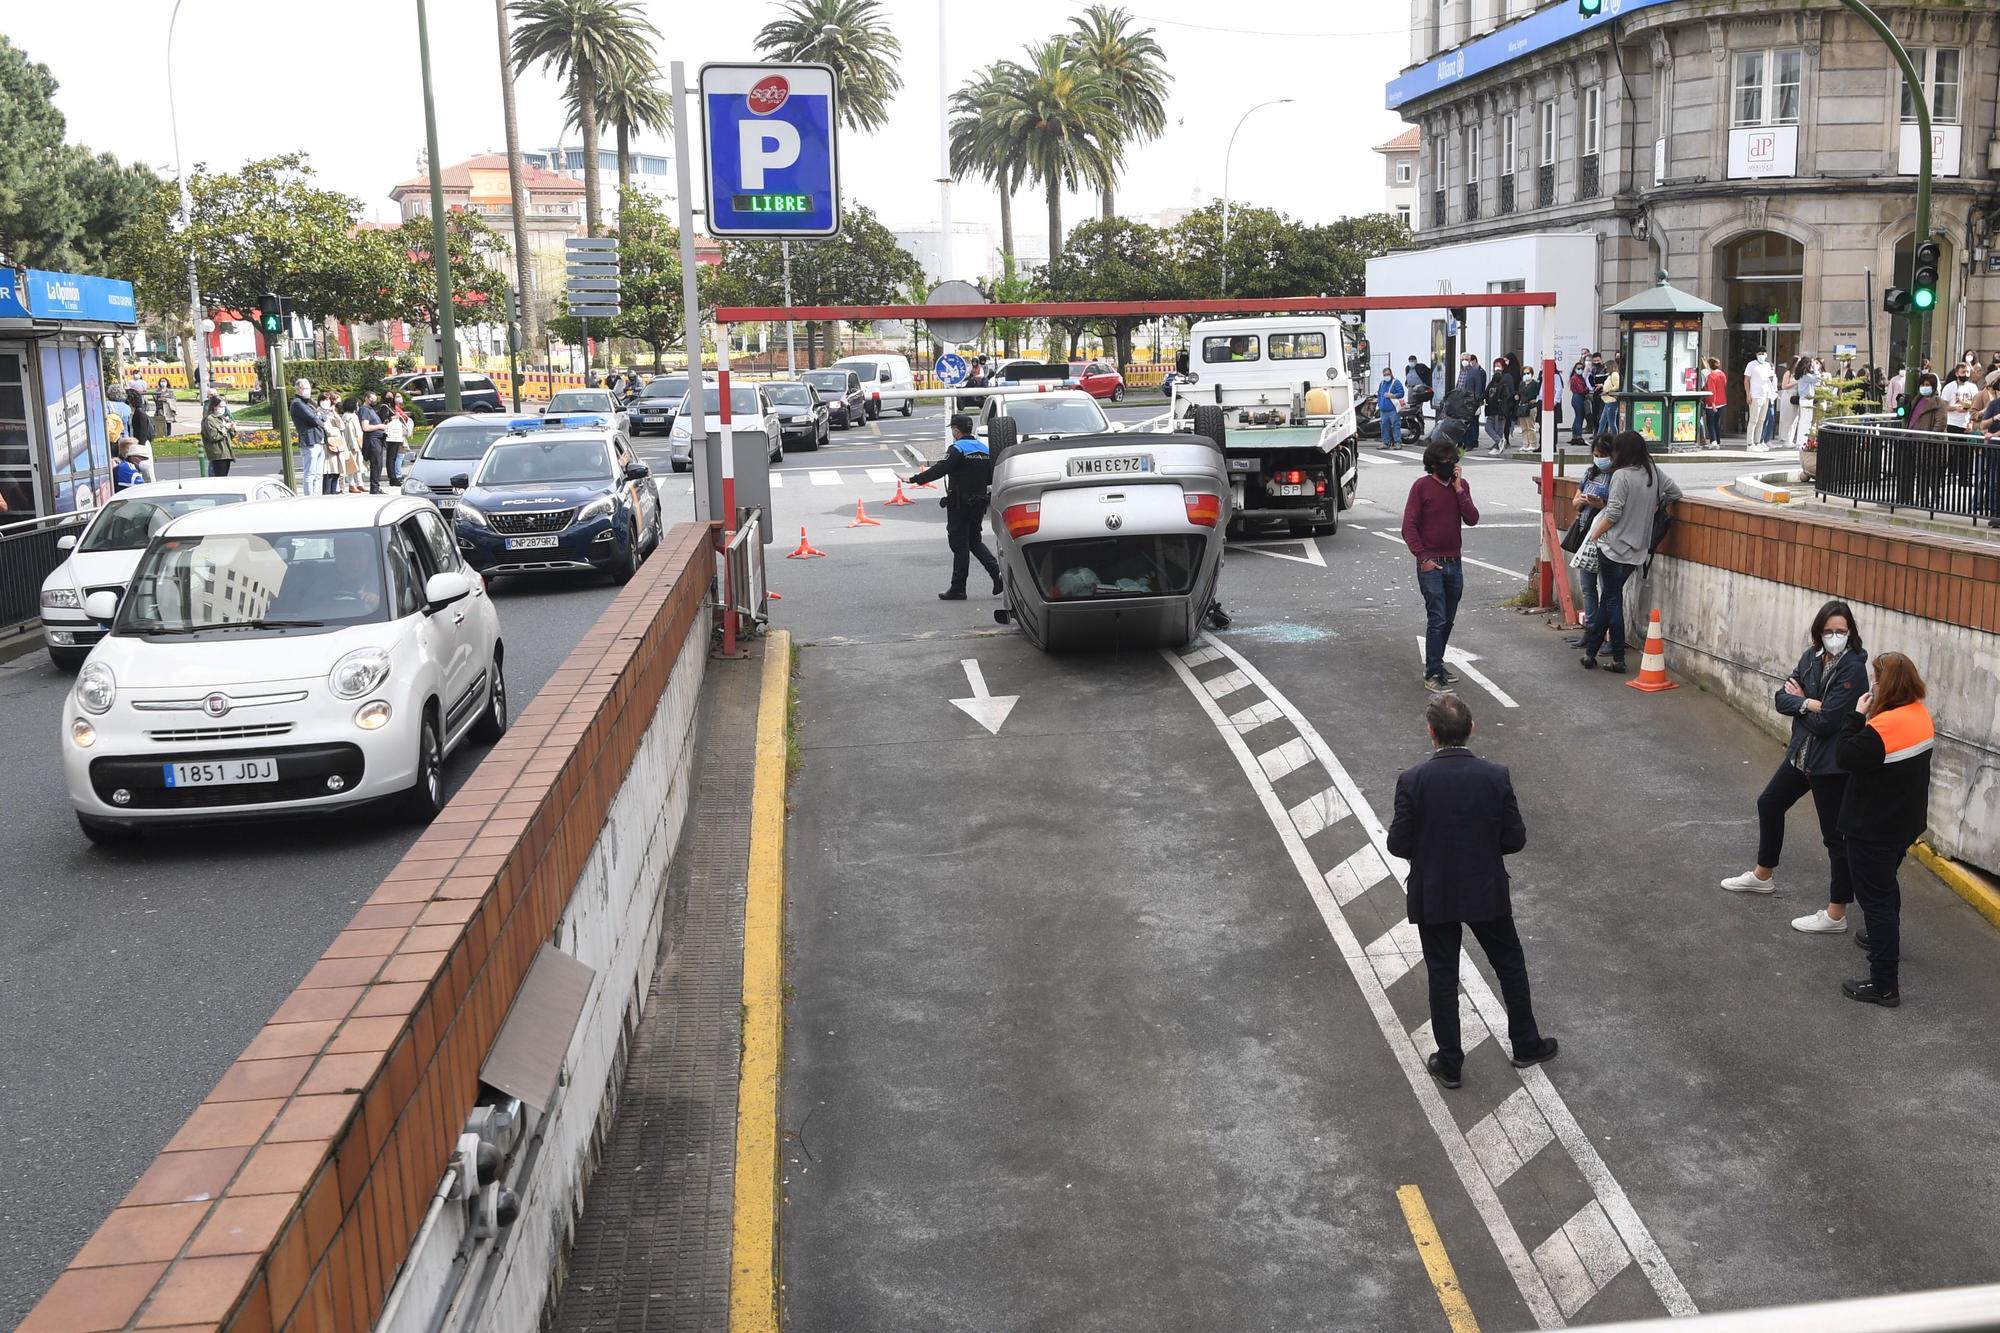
(666, 387)
(1100, 568)
(1055, 416)
(789, 395)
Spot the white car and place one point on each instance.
(749, 410)
(879, 371)
(101, 557)
(1049, 416)
(276, 658)
(573, 403)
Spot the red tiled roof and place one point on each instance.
(1406, 142)
(458, 176)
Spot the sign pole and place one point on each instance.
(513, 350)
(690, 297)
(440, 256)
(1547, 581)
(791, 363)
(281, 415)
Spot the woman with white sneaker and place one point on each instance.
(1819, 696)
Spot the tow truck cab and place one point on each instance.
(1276, 391)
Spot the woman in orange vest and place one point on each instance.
(1885, 746)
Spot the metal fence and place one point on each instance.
(746, 590)
(27, 554)
(1875, 460)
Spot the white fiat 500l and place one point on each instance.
(280, 658)
(101, 557)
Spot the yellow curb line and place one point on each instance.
(1982, 899)
(753, 1251)
(1430, 1248)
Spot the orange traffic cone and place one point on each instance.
(806, 551)
(861, 519)
(899, 498)
(1653, 666)
(774, 596)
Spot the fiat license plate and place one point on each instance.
(222, 772)
(1124, 465)
(530, 543)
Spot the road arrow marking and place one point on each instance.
(988, 710)
(1458, 657)
(1312, 554)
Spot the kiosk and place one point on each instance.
(1659, 337)
(55, 456)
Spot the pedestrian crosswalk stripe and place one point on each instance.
(1509, 1137)
(1318, 812)
(1225, 684)
(1471, 1031)
(1262, 713)
(777, 481)
(825, 477)
(1580, 1256)
(1199, 656)
(1395, 952)
(1287, 758)
(1356, 875)
(881, 476)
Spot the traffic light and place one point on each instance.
(1923, 294)
(270, 315)
(1589, 9)
(1902, 405)
(1896, 301)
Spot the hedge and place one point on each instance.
(339, 376)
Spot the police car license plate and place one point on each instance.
(1120, 466)
(221, 773)
(530, 543)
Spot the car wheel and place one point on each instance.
(1208, 421)
(68, 659)
(677, 465)
(1001, 435)
(1328, 528)
(908, 407)
(106, 834)
(1118, 393)
(492, 724)
(820, 437)
(627, 564)
(874, 411)
(425, 796)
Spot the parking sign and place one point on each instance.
(770, 150)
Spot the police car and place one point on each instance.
(557, 498)
(456, 446)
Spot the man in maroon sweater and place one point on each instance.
(1439, 502)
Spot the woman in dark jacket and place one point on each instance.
(1886, 748)
(1819, 697)
(1503, 402)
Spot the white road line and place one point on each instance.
(1624, 1218)
(1380, 461)
(881, 476)
(777, 481)
(1397, 538)
(824, 477)
(1458, 657)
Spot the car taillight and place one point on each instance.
(1023, 519)
(1292, 478)
(1204, 511)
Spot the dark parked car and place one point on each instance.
(841, 391)
(803, 417)
(425, 391)
(657, 403)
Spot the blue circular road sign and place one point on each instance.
(951, 369)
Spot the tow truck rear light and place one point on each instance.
(1023, 520)
(1204, 511)
(1292, 478)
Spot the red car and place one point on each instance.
(1099, 379)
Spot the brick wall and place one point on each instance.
(1956, 580)
(290, 1196)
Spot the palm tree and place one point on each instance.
(517, 190)
(583, 41)
(633, 101)
(1057, 115)
(977, 149)
(1133, 64)
(853, 38)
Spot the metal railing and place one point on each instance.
(27, 554)
(746, 590)
(1875, 460)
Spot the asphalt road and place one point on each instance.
(1105, 1022)
(129, 980)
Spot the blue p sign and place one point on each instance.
(769, 142)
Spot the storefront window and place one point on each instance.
(17, 468)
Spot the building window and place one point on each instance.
(1767, 88)
(1440, 172)
(1472, 155)
(1509, 125)
(1547, 116)
(1403, 214)
(1939, 69)
(1403, 171)
(1593, 111)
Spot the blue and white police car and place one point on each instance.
(557, 498)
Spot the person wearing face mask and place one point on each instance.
(1579, 401)
(1760, 386)
(1885, 746)
(1389, 405)
(1717, 384)
(1623, 538)
(1439, 506)
(1592, 492)
(1818, 697)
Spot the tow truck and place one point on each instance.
(1276, 394)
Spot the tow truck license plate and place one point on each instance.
(1123, 465)
(530, 543)
(1289, 489)
(222, 772)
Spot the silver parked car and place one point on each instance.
(1108, 540)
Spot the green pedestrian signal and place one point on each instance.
(1773, 319)
(1589, 9)
(1923, 289)
(270, 315)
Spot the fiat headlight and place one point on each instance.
(96, 689)
(62, 597)
(357, 673)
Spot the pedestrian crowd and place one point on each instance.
(351, 444)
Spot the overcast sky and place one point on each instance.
(340, 81)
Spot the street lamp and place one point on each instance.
(187, 212)
(1276, 101)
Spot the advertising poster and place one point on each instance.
(1687, 415)
(1646, 419)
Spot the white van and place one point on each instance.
(880, 371)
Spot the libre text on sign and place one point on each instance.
(770, 150)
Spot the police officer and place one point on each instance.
(967, 467)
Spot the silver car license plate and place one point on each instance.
(530, 543)
(1123, 465)
(222, 772)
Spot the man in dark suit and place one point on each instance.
(1456, 822)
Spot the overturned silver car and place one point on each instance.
(1109, 540)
